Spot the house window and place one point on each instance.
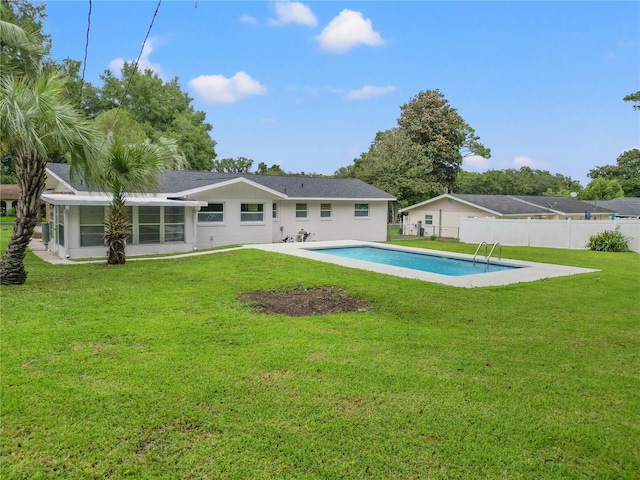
(148, 225)
(174, 224)
(428, 219)
(361, 210)
(325, 210)
(252, 212)
(91, 226)
(52, 223)
(60, 224)
(274, 211)
(212, 213)
(301, 210)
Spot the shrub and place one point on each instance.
(608, 241)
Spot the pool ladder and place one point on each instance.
(486, 248)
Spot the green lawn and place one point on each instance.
(156, 370)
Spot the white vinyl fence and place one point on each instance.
(571, 234)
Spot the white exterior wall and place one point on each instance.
(343, 224)
(571, 234)
(73, 249)
(232, 231)
(446, 214)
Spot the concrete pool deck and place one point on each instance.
(530, 272)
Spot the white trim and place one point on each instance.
(226, 183)
(452, 197)
(341, 199)
(56, 177)
(130, 201)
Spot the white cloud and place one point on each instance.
(144, 63)
(219, 89)
(248, 19)
(346, 31)
(524, 162)
(293, 12)
(475, 162)
(529, 162)
(369, 91)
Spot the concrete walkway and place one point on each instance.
(38, 248)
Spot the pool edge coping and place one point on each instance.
(534, 270)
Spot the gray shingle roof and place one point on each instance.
(523, 204)
(502, 204)
(175, 182)
(626, 206)
(536, 205)
(564, 205)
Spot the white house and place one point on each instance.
(441, 216)
(196, 210)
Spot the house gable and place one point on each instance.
(232, 188)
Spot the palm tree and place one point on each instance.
(36, 120)
(20, 53)
(127, 169)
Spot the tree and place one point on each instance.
(601, 189)
(120, 124)
(127, 169)
(22, 43)
(35, 120)
(20, 55)
(428, 120)
(161, 108)
(626, 172)
(525, 181)
(272, 170)
(635, 98)
(233, 165)
(422, 156)
(398, 166)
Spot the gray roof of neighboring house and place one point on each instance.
(502, 204)
(624, 206)
(176, 182)
(564, 205)
(525, 204)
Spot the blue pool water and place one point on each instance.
(417, 261)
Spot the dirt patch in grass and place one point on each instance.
(301, 302)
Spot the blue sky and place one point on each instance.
(307, 85)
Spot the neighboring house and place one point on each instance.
(624, 207)
(441, 215)
(196, 210)
(8, 198)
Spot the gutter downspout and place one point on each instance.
(195, 227)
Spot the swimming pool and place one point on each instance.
(533, 271)
(417, 261)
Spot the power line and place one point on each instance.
(86, 51)
(135, 66)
